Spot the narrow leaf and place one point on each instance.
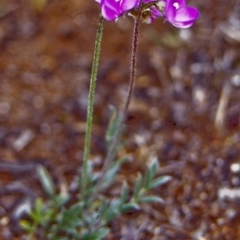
(69, 218)
(89, 167)
(154, 167)
(113, 124)
(97, 235)
(113, 210)
(103, 209)
(160, 181)
(129, 206)
(46, 180)
(124, 193)
(147, 179)
(61, 199)
(151, 199)
(138, 186)
(111, 173)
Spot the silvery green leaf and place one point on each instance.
(124, 192)
(154, 166)
(89, 167)
(110, 215)
(61, 199)
(150, 199)
(103, 208)
(129, 206)
(138, 186)
(77, 208)
(147, 178)
(113, 128)
(46, 181)
(111, 173)
(160, 181)
(115, 203)
(69, 218)
(47, 216)
(113, 210)
(113, 124)
(96, 235)
(103, 232)
(94, 177)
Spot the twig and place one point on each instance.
(222, 107)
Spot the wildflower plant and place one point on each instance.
(87, 218)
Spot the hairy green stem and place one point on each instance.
(91, 95)
(113, 147)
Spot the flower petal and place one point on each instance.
(109, 13)
(128, 4)
(179, 15)
(186, 14)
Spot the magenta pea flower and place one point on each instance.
(174, 11)
(113, 9)
(180, 15)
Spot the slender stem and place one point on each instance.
(91, 95)
(113, 146)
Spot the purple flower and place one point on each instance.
(112, 9)
(175, 11)
(180, 15)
